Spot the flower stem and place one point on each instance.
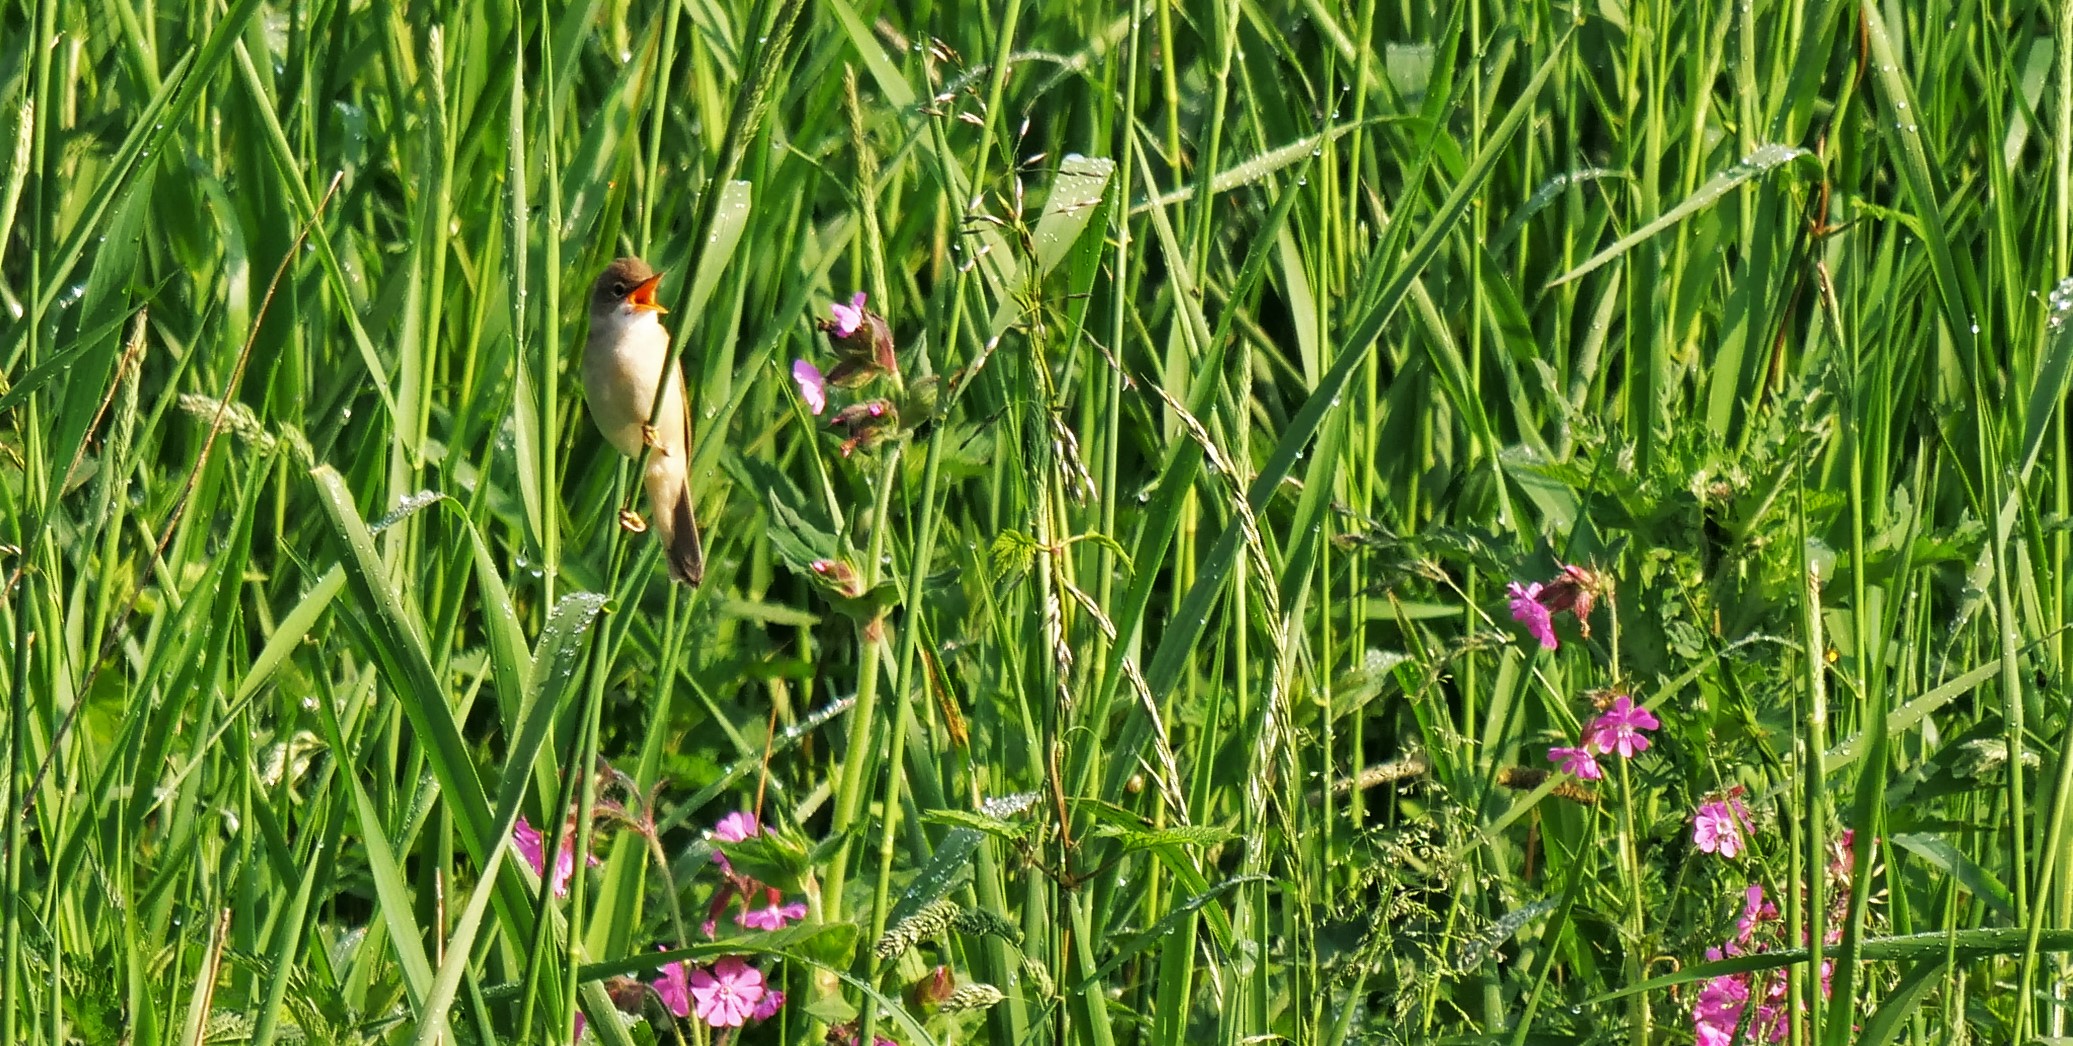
(857, 755)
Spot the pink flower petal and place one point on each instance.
(725, 994)
(1578, 761)
(1530, 611)
(674, 988)
(530, 845)
(848, 317)
(813, 385)
(773, 917)
(736, 827)
(1717, 828)
(1618, 728)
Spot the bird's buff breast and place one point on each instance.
(620, 372)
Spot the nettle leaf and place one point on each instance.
(776, 858)
(1011, 554)
(1178, 835)
(993, 826)
(798, 526)
(833, 944)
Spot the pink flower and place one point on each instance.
(726, 994)
(530, 845)
(1718, 1008)
(1527, 608)
(813, 385)
(848, 317)
(1841, 854)
(772, 1000)
(732, 828)
(1755, 912)
(674, 988)
(1722, 1001)
(1717, 828)
(1618, 728)
(533, 847)
(773, 917)
(1578, 761)
(736, 827)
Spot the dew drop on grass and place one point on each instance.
(2061, 303)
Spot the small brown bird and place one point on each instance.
(622, 367)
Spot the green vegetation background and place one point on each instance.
(1246, 352)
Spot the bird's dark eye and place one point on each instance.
(619, 288)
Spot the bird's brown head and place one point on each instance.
(627, 282)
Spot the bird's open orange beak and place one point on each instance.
(643, 295)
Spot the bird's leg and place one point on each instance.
(631, 521)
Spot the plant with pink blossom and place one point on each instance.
(1717, 826)
(1619, 728)
(532, 846)
(1723, 1002)
(762, 906)
(1575, 590)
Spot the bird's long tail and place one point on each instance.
(669, 495)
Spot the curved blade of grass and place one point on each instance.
(1763, 160)
(1075, 197)
(1953, 862)
(938, 876)
(1901, 1000)
(556, 667)
(1917, 947)
(1249, 171)
(1548, 193)
(397, 639)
